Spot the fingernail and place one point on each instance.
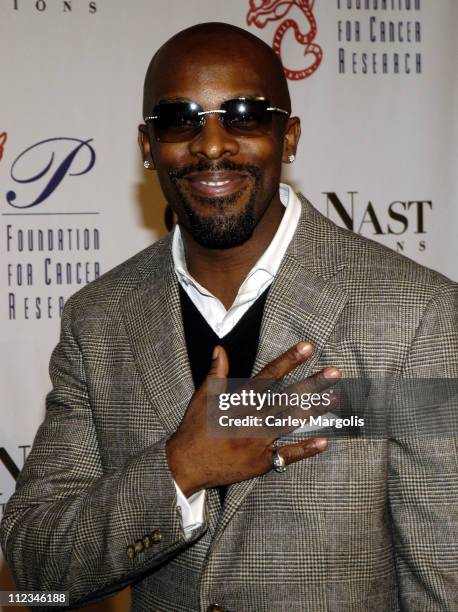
(215, 353)
(332, 373)
(321, 443)
(304, 347)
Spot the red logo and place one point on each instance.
(263, 11)
(3, 139)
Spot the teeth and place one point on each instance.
(215, 183)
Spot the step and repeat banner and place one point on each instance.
(373, 81)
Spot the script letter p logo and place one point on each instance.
(29, 156)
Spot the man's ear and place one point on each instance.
(291, 139)
(145, 146)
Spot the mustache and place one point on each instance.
(205, 166)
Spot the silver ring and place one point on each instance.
(278, 463)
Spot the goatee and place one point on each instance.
(225, 230)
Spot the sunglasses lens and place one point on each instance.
(176, 121)
(181, 122)
(247, 117)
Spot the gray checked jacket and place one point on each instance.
(370, 525)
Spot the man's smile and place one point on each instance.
(215, 184)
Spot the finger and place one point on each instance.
(317, 382)
(278, 368)
(292, 453)
(217, 374)
(219, 367)
(291, 399)
(285, 363)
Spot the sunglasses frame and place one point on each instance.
(220, 111)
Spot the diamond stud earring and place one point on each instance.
(291, 158)
(146, 164)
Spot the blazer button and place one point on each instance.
(215, 608)
(138, 546)
(131, 552)
(146, 541)
(156, 536)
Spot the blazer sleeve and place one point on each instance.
(423, 462)
(71, 527)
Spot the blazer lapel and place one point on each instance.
(152, 316)
(304, 303)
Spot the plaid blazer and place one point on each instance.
(370, 525)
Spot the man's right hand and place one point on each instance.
(198, 460)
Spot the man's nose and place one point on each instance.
(214, 141)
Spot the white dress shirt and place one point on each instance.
(221, 320)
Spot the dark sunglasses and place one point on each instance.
(182, 121)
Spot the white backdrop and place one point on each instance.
(375, 87)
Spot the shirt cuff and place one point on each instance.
(192, 509)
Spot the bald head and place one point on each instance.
(208, 43)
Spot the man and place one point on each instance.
(125, 485)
